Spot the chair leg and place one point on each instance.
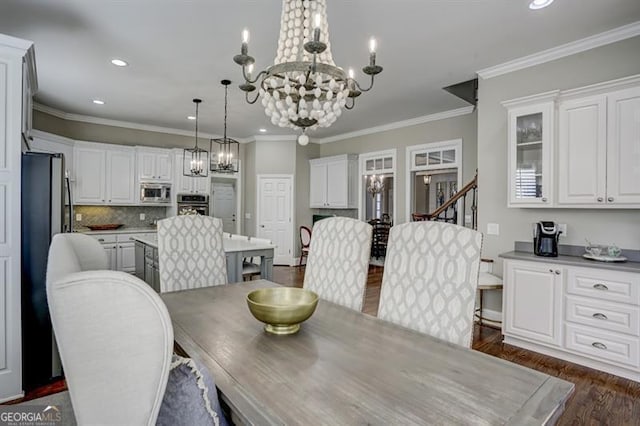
(300, 261)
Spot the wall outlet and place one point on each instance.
(78, 217)
(247, 215)
(143, 216)
(562, 227)
(493, 229)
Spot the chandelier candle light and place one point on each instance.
(303, 89)
(228, 149)
(376, 184)
(195, 160)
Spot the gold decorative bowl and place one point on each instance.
(282, 309)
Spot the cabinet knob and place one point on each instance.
(600, 316)
(610, 199)
(544, 199)
(557, 271)
(101, 240)
(551, 270)
(599, 345)
(600, 286)
(600, 199)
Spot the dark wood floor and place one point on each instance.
(599, 398)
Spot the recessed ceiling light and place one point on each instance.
(119, 62)
(539, 4)
(191, 117)
(98, 102)
(263, 130)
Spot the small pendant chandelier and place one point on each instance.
(195, 160)
(303, 89)
(227, 149)
(376, 184)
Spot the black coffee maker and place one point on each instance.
(545, 239)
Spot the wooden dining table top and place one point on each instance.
(344, 367)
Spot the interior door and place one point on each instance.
(274, 216)
(224, 204)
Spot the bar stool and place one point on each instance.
(486, 281)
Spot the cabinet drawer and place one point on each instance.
(604, 315)
(604, 285)
(105, 238)
(603, 346)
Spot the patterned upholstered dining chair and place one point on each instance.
(430, 279)
(190, 253)
(338, 261)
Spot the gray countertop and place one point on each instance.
(573, 261)
(116, 231)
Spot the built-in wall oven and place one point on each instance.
(156, 193)
(193, 204)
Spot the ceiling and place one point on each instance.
(178, 50)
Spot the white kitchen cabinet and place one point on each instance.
(530, 146)
(154, 165)
(598, 150)
(104, 174)
(623, 147)
(582, 151)
(17, 63)
(533, 301)
(90, 168)
(120, 249)
(187, 184)
(586, 315)
(333, 182)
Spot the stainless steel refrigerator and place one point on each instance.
(46, 211)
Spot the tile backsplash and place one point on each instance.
(127, 215)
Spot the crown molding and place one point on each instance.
(568, 49)
(124, 124)
(398, 124)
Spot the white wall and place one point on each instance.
(621, 227)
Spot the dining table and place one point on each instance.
(345, 368)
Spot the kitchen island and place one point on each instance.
(147, 266)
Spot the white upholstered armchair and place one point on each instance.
(115, 340)
(190, 253)
(338, 261)
(430, 279)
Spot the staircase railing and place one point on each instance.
(448, 212)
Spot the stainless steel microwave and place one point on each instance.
(155, 193)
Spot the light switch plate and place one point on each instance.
(493, 229)
(562, 227)
(78, 217)
(143, 216)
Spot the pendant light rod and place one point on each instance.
(197, 102)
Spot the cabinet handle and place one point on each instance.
(557, 271)
(600, 199)
(101, 240)
(600, 316)
(610, 199)
(600, 286)
(599, 345)
(544, 199)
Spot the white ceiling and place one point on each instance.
(178, 50)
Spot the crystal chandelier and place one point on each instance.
(195, 160)
(303, 89)
(226, 161)
(376, 184)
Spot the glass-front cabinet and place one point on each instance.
(530, 147)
